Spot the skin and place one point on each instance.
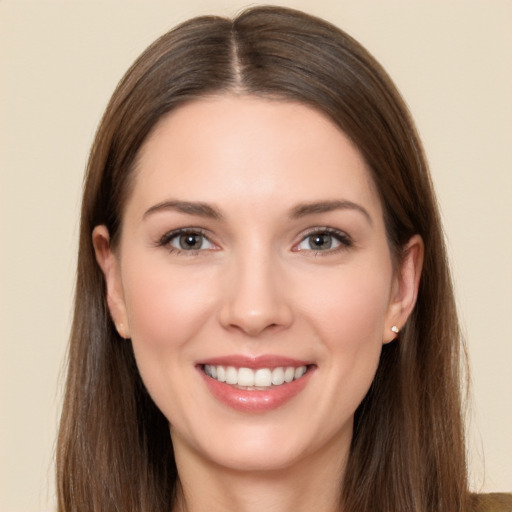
(256, 284)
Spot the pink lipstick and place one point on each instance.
(255, 384)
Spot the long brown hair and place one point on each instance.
(407, 453)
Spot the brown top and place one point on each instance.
(493, 502)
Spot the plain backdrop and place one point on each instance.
(59, 63)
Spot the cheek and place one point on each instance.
(165, 305)
(349, 315)
(166, 308)
(351, 305)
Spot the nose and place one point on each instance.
(255, 297)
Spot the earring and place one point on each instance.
(395, 329)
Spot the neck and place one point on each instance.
(313, 483)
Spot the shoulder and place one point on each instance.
(493, 502)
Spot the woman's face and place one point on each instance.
(255, 281)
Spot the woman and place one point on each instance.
(250, 326)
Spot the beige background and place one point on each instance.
(59, 62)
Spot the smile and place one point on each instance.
(255, 385)
(254, 379)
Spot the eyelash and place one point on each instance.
(165, 241)
(345, 242)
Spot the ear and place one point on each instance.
(109, 264)
(405, 288)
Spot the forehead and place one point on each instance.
(259, 151)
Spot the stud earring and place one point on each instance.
(395, 329)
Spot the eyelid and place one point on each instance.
(164, 240)
(344, 239)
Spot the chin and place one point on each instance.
(242, 459)
(268, 448)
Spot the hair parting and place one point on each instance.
(114, 449)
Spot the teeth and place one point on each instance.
(262, 378)
(231, 375)
(221, 374)
(245, 377)
(289, 374)
(249, 378)
(299, 372)
(278, 376)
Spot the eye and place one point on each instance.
(324, 240)
(186, 240)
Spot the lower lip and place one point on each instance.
(255, 400)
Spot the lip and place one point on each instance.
(255, 401)
(264, 361)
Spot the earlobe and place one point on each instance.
(405, 288)
(109, 265)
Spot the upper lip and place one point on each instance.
(263, 361)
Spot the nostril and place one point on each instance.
(253, 300)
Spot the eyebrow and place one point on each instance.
(305, 209)
(191, 208)
(302, 210)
